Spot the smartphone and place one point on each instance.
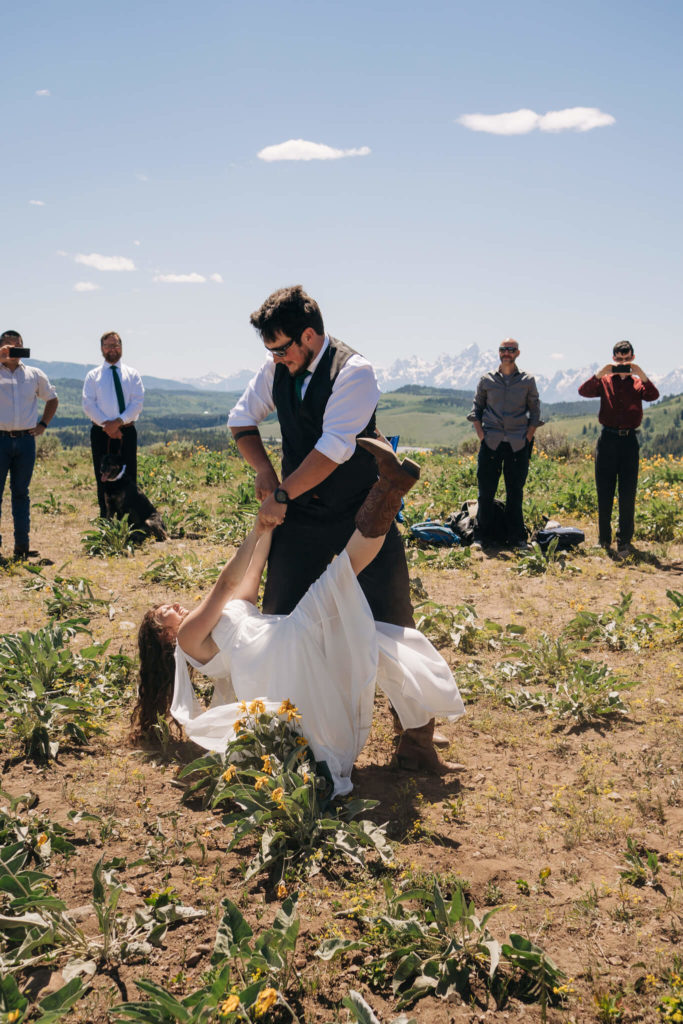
(621, 368)
(19, 353)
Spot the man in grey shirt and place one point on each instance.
(505, 414)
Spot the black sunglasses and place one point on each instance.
(508, 348)
(281, 350)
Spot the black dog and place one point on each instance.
(121, 496)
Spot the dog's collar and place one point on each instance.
(120, 474)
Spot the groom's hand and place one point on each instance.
(273, 510)
(265, 483)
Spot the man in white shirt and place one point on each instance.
(20, 388)
(113, 394)
(325, 396)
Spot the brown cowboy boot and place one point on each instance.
(379, 509)
(416, 752)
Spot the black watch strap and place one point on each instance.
(42, 423)
(281, 496)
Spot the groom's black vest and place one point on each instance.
(301, 424)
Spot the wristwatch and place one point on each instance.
(281, 496)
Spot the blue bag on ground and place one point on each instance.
(432, 532)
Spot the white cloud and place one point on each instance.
(142, 177)
(98, 262)
(179, 278)
(86, 286)
(136, 242)
(36, 202)
(521, 122)
(299, 149)
(557, 355)
(575, 119)
(216, 277)
(42, 92)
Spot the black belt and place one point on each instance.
(621, 431)
(14, 433)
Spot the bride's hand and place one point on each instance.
(267, 521)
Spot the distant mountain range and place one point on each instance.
(459, 371)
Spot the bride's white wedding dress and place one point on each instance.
(325, 657)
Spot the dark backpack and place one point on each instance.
(465, 524)
(567, 537)
(434, 533)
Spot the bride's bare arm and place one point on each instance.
(194, 633)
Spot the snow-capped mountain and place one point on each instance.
(459, 371)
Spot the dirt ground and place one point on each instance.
(536, 822)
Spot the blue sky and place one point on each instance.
(138, 127)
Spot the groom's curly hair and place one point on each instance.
(156, 645)
(289, 310)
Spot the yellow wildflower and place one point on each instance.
(266, 998)
(301, 741)
(13, 1015)
(229, 1006)
(289, 709)
(306, 777)
(267, 766)
(278, 794)
(243, 706)
(42, 839)
(262, 781)
(281, 891)
(229, 773)
(238, 726)
(257, 707)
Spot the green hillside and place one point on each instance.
(426, 417)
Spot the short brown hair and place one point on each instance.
(289, 311)
(110, 334)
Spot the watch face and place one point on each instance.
(281, 495)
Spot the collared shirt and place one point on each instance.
(354, 396)
(100, 403)
(19, 393)
(506, 405)
(621, 399)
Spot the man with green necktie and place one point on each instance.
(113, 394)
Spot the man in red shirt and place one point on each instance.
(616, 456)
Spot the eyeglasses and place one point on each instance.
(508, 348)
(282, 350)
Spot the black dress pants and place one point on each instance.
(616, 463)
(101, 444)
(515, 468)
(303, 547)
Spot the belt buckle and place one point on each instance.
(624, 433)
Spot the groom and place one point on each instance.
(325, 396)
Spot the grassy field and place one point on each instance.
(426, 417)
(544, 882)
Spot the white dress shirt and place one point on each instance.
(19, 393)
(354, 396)
(100, 403)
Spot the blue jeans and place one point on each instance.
(17, 457)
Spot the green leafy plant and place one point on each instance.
(538, 561)
(442, 948)
(170, 570)
(53, 505)
(113, 537)
(247, 983)
(283, 796)
(643, 867)
(611, 627)
(50, 693)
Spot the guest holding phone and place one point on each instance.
(20, 388)
(622, 387)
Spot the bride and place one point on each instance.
(325, 657)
